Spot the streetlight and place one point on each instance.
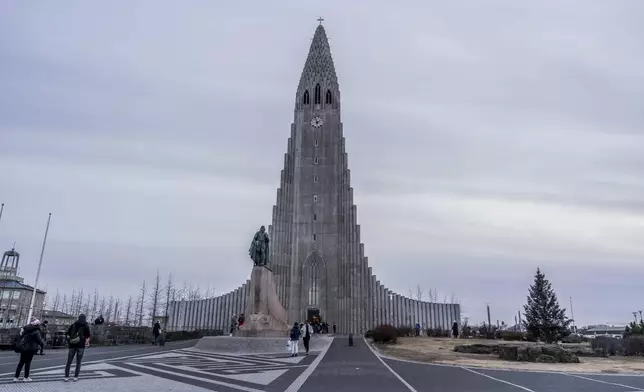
(42, 253)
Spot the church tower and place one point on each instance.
(317, 258)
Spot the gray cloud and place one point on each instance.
(484, 140)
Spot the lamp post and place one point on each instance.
(42, 253)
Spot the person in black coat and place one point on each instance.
(28, 344)
(156, 331)
(77, 335)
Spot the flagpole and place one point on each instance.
(42, 253)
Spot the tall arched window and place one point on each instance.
(318, 94)
(314, 284)
(329, 97)
(305, 98)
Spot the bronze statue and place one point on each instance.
(259, 247)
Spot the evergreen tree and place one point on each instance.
(544, 319)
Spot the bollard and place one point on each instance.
(350, 339)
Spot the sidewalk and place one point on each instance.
(352, 369)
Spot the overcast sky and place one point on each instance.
(484, 139)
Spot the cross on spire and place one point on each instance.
(320, 19)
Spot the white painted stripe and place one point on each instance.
(297, 384)
(604, 382)
(157, 369)
(498, 379)
(402, 380)
(36, 370)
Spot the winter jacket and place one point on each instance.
(83, 329)
(295, 333)
(33, 336)
(304, 329)
(156, 331)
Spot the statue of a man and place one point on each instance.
(259, 247)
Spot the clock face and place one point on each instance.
(316, 122)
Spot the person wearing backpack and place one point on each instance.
(28, 344)
(77, 335)
(295, 337)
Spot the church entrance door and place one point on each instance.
(313, 315)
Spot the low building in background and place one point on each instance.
(15, 295)
(57, 317)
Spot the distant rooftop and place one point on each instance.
(56, 314)
(14, 284)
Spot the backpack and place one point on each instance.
(20, 343)
(76, 335)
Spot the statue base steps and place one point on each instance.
(255, 345)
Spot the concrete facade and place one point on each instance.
(317, 257)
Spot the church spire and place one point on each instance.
(319, 68)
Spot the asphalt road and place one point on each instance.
(341, 368)
(357, 368)
(9, 359)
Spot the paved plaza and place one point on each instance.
(338, 367)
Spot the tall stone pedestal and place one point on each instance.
(264, 314)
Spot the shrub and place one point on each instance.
(477, 348)
(530, 337)
(403, 331)
(634, 329)
(612, 346)
(368, 334)
(511, 335)
(634, 345)
(574, 339)
(466, 331)
(438, 333)
(385, 334)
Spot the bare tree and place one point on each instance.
(101, 307)
(64, 307)
(79, 302)
(72, 303)
(194, 294)
(169, 292)
(454, 299)
(87, 305)
(110, 308)
(115, 317)
(155, 297)
(210, 292)
(432, 295)
(45, 301)
(56, 303)
(141, 304)
(419, 293)
(182, 293)
(128, 311)
(94, 305)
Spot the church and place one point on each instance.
(316, 255)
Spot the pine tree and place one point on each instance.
(544, 319)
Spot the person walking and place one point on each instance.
(156, 331)
(295, 337)
(334, 327)
(44, 331)
(78, 336)
(306, 335)
(28, 344)
(455, 330)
